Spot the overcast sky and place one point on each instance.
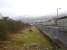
(32, 7)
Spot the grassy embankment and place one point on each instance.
(29, 37)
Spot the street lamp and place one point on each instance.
(57, 15)
(57, 11)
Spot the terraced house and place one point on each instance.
(56, 30)
(59, 31)
(62, 24)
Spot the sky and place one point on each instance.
(32, 7)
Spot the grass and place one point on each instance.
(29, 38)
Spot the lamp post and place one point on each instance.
(57, 11)
(57, 15)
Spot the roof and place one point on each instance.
(62, 18)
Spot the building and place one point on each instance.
(57, 33)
